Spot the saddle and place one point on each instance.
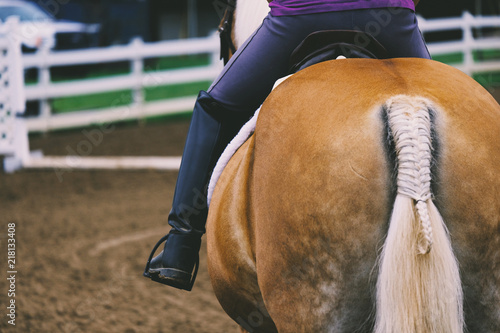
(317, 47)
(330, 44)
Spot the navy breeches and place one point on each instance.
(249, 76)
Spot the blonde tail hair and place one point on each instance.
(418, 286)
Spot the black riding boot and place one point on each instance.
(212, 128)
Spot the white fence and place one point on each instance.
(136, 52)
(137, 80)
(13, 130)
(13, 133)
(468, 44)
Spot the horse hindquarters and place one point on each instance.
(231, 259)
(321, 198)
(298, 222)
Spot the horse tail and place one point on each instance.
(418, 286)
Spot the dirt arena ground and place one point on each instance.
(83, 237)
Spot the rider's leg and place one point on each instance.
(265, 55)
(242, 86)
(211, 129)
(213, 125)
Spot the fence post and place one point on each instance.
(137, 69)
(215, 59)
(44, 81)
(13, 133)
(468, 38)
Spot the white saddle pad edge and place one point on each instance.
(245, 132)
(242, 136)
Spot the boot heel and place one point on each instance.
(174, 277)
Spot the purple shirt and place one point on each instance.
(299, 7)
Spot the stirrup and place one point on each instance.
(157, 277)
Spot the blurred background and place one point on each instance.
(116, 79)
(68, 25)
(155, 20)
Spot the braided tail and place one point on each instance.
(418, 287)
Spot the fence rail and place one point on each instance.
(468, 43)
(136, 52)
(14, 130)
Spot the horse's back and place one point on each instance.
(311, 195)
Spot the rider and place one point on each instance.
(239, 90)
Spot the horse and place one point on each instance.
(368, 203)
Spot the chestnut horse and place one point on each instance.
(365, 203)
